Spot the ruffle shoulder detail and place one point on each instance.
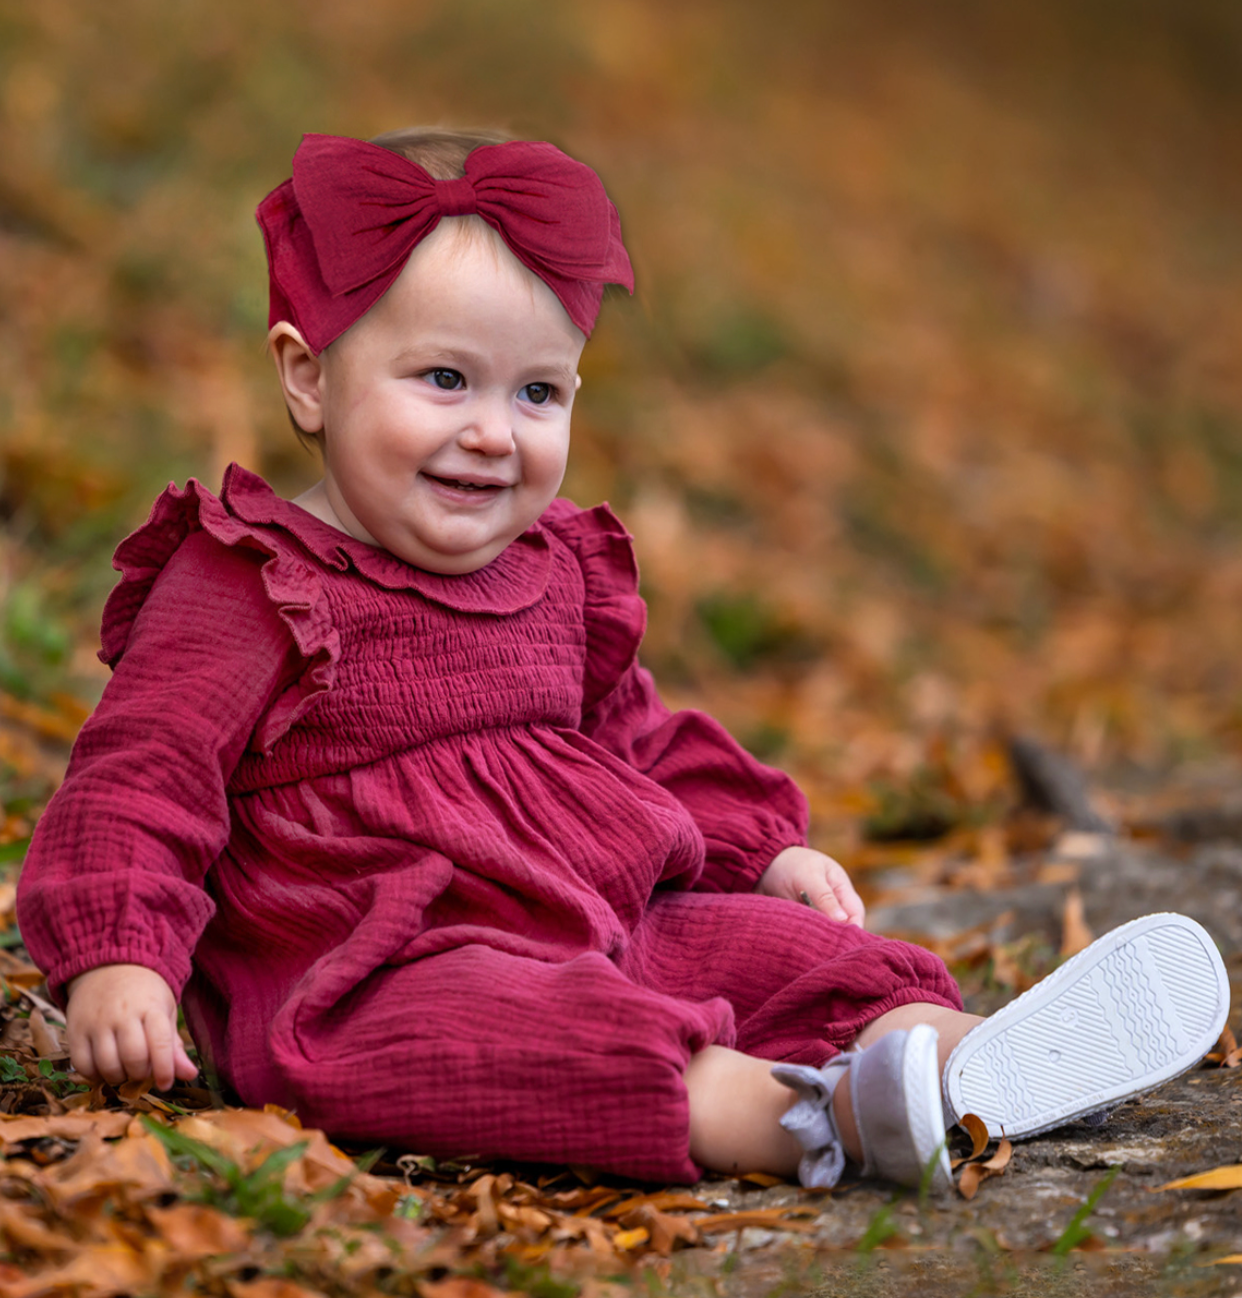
(614, 611)
(289, 582)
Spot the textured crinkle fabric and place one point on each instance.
(430, 859)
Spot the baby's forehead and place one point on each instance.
(464, 286)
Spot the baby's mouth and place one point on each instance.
(459, 484)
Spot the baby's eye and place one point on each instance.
(446, 380)
(538, 394)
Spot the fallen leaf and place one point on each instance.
(1228, 1177)
(1075, 935)
(1235, 1258)
(761, 1179)
(98, 1271)
(270, 1287)
(23, 1228)
(974, 1174)
(46, 1042)
(662, 1202)
(664, 1229)
(977, 1130)
(64, 1126)
(766, 1218)
(195, 1230)
(626, 1240)
(455, 1286)
(136, 1167)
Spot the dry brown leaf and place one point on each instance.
(271, 1287)
(1225, 1048)
(194, 1230)
(23, 1228)
(1075, 935)
(135, 1167)
(766, 1218)
(455, 1286)
(664, 1201)
(44, 1038)
(97, 1271)
(65, 1126)
(1228, 1177)
(977, 1130)
(625, 1241)
(1235, 1258)
(974, 1174)
(761, 1179)
(664, 1229)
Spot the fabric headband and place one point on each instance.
(339, 232)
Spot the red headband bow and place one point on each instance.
(341, 230)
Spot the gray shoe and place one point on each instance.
(895, 1088)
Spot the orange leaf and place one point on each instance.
(1075, 935)
(97, 1269)
(663, 1228)
(660, 1201)
(270, 1287)
(1228, 1177)
(194, 1230)
(1223, 1049)
(767, 1218)
(624, 1240)
(63, 1126)
(977, 1130)
(974, 1174)
(43, 1036)
(136, 1167)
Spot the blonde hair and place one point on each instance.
(441, 151)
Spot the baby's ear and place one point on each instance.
(300, 372)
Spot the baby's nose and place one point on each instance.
(490, 429)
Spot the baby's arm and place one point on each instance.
(803, 874)
(122, 1021)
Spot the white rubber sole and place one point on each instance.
(1139, 1006)
(925, 1112)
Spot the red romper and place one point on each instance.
(440, 869)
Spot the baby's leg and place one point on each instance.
(1136, 1008)
(736, 1103)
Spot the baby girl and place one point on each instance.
(380, 793)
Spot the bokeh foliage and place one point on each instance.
(926, 414)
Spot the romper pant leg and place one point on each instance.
(802, 986)
(477, 1052)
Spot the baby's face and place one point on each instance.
(446, 407)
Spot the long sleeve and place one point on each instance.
(747, 812)
(115, 872)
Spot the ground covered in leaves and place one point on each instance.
(927, 420)
(106, 1193)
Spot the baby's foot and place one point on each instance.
(1139, 1006)
(895, 1089)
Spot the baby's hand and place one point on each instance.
(122, 1025)
(803, 874)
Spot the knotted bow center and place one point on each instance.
(456, 197)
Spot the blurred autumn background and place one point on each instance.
(926, 415)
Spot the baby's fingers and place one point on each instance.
(161, 1042)
(850, 903)
(133, 1052)
(82, 1057)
